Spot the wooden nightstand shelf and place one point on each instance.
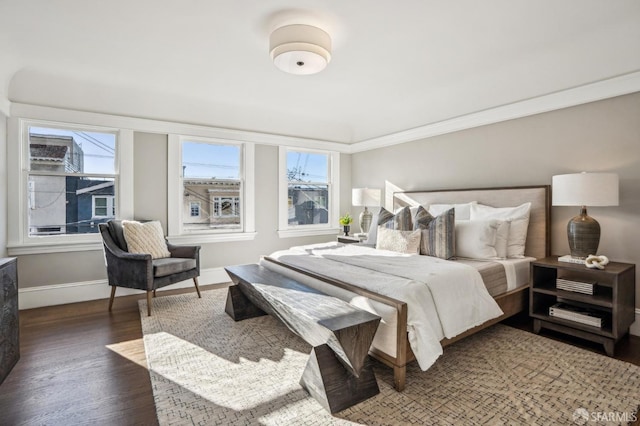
(613, 299)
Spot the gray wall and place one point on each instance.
(600, 136)
(3, 185)
(150, 202)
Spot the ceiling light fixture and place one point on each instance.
(300, 49)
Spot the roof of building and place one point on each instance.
(47, 152)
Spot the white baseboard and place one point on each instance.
(635, 327)
(60, 294)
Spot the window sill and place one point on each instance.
(292, 233)
(211, 238)
(59, 247)
(67, 247)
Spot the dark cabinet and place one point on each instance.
(9, 326)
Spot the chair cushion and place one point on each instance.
(172, 265)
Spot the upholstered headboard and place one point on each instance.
(538, 236)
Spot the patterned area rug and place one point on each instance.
(207, 369)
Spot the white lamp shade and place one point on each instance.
(300, 49)
(365, 197)
(586, 189)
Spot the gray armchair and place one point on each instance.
(139, 271)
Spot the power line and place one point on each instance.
(95, 142)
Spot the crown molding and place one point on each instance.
(38, 112)
(609, 88)
(616, 86)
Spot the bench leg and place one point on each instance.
(333, 386)
(239, 307)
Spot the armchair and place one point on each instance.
(140, 271)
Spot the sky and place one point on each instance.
(313, 167)
(204, 160)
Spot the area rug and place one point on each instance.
(207, 369)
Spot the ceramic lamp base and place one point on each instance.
(365, 220)
(584, 235)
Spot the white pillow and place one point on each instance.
(401, 241)
(476, 239)
(145, 237)
(463, 211)
(517, 216)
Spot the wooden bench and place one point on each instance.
(338, 373)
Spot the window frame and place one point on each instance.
(333, 182)
(175, 188)
(197, 205)
(18, 170)
(110, 206)
(217, 206)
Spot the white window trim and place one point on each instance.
(19, 241)
(175, 189)
(331, 228)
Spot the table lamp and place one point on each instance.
(585, 189)
(365, 197)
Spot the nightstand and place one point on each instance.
(350, 239)
(602, 317)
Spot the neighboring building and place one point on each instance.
(55, 153)
(308, 204)
(65, 204)
(211, 204)
(89, 202)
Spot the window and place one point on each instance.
(194, 208)
(213, 195)
(67, 169)
(104, 206)
(226, 206)
(69, 180)
(308, 192)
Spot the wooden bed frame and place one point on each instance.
(511, 303)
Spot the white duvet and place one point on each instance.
(443, 298)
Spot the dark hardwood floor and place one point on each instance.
(627, 349)
(81, 365)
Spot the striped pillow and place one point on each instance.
(401, 221)
(421, 218)
(439, 235)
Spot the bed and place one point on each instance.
(352, 273)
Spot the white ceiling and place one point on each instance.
(395, 65)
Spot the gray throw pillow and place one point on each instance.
(439, 235)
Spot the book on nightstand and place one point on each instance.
(578, 286)
(567, 258)
(574, 313)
